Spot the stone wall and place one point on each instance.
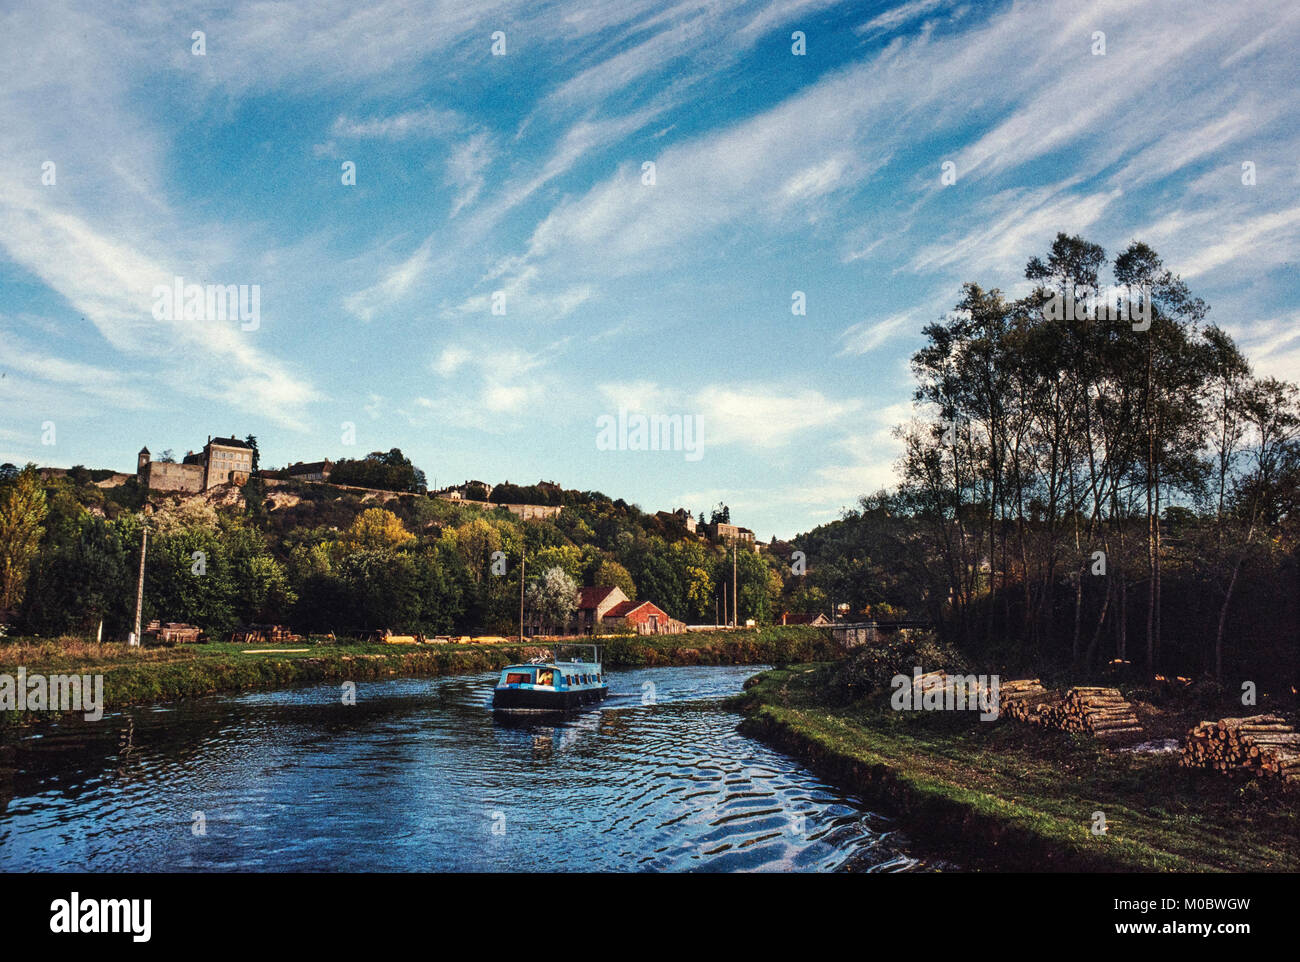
(162, 476)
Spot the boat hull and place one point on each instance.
(512, 699)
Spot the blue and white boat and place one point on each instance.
(572, 677)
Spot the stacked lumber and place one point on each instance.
(973, 693)
(1026, 700)
(1264, 746)
(262, 634)
(1100, 712)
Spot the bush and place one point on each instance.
(871, 668)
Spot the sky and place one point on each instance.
(475, 230)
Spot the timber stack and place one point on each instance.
(1101, 712)
(1026, 700)
(1264, 746)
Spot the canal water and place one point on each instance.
(419, 776)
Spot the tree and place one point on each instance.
(609, 572)
(388, 471)
(553, 596)
(83, 576)
(22, 511)
(377, 528)
(251, 441)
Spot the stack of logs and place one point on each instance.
(1262, 745)
(946, 683)
(1101, 712)
(1026, 700)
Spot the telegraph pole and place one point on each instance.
(139, 588)
(523, 552)
(735, 597)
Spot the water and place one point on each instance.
(418, 776)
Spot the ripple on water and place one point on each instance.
(418, 776)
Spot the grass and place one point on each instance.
(135, 676)
(999, 795)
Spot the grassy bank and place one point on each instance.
(145, 676)
(1002, 796)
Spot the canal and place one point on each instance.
(419, 776)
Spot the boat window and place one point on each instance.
(518, 677)
(546, 677)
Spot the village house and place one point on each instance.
(606, 607)
(730, 533)
(680, 517)
(310, 470)
(645, 617)
(818, 620)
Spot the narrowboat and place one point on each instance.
(568, 680)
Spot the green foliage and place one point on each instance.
(871, 668)
(390, 471)
(22, 512)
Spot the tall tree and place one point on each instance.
(22, 511)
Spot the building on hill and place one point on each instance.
(680, 517)
(226, 459)
(532, 512)
(222, 460)
(469, 491)
(309, 470)
(730, 533)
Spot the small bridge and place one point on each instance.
(868, 632)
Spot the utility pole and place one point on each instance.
(522, 555)
(139, 588)
(735, 596)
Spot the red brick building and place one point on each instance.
(646, 617)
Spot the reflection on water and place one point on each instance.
(419, 776)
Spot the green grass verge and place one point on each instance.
(145, 676)
(1003, 796)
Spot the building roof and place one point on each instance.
(803, 618)
(591, 597)
(299, 467)
(231, 443)
(624, 608)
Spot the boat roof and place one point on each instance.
(552, 664)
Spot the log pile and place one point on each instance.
(262, 634)
(971, 689)
(1101, 712)
(1026, 700)
(1264, 746)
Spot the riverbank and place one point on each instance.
(1000, 796)
(149, 675)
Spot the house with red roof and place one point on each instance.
(606, 606)
(593, 604)
(645, 617)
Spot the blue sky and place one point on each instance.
(522, 174)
